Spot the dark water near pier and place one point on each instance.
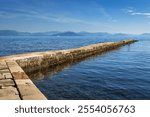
(120, 74)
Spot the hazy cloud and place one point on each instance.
(132, 11)
(38, 15)
(46, 17)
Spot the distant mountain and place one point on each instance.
(16, 33)
(8, 32)
(94, 34)
(13, 33)
(67, 34)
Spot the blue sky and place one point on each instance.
(114, 16)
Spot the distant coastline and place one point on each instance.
(69, 33)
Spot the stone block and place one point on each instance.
(4, 71)
(16, 70)
(10, 97)
(30, 91)
(19, 75)
(9, 93)
(3, 63)
(3, 67)
(8, 75)
(7, 82)
(23, 82)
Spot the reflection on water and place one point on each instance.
(50, 71)
(128, 47)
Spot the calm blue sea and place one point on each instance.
(120, 74)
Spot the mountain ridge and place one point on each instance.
(67, 33)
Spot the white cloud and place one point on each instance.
(141, 13)
(132, 11)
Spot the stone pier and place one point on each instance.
(16, 85)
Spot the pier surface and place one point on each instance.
(16, 85)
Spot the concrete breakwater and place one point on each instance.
(38, 60)
(13, 78)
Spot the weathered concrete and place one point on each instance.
(25, 86)
(11, 66)
(9, 93)
(8, 90)
(15, 84)
(7, 82)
